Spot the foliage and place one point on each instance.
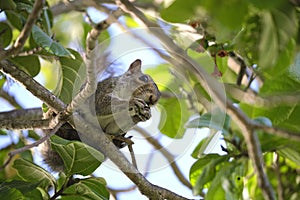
(263, 33)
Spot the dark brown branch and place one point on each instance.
(32, 86)
(95, 137)
(29, 114)
(32, 18)
(24, 124)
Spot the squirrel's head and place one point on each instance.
(141, 85)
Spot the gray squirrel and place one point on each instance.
(120, 103)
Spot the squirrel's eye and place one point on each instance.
(144, 78)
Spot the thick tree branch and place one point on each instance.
(18, 45)
(24, 124)
(32, 86)
(182, 63)
(95, 137)
(29, 114)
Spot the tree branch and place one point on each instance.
(10, 99)
(32, 86)
(182, 62)
(29, 114)
(95, 137)
(91, 61)
(18, 45)
(24, 124)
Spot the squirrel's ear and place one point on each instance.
(135, 66)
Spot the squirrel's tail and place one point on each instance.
(52, 158)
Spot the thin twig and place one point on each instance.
(34, 144)
(166, 154)
(132, 155)
(32, 18)
(10, 99)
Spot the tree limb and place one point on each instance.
(24, 124)
(32, 86)
(10, 99)
(29, 114)
(95, 137)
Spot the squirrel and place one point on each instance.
(120, 103)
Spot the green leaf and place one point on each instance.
(7, 5)
(230, 13)
(195, 154)
(285, 115)
(162, 76)
(30, 64)
(291, 153)
(186, 9)
(204, 59)
(37, 194)
(12, 193)
(217, 121)
(33, 173)
(73, 76)
(15, 19)
(6, 34)
(268, 46)
(173, 116)
(228, 183)
(279, 26)
(203, 171)
(22, 186)
(91, 188)
(78, 157)
(46, 42)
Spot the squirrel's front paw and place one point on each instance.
(139, 108)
